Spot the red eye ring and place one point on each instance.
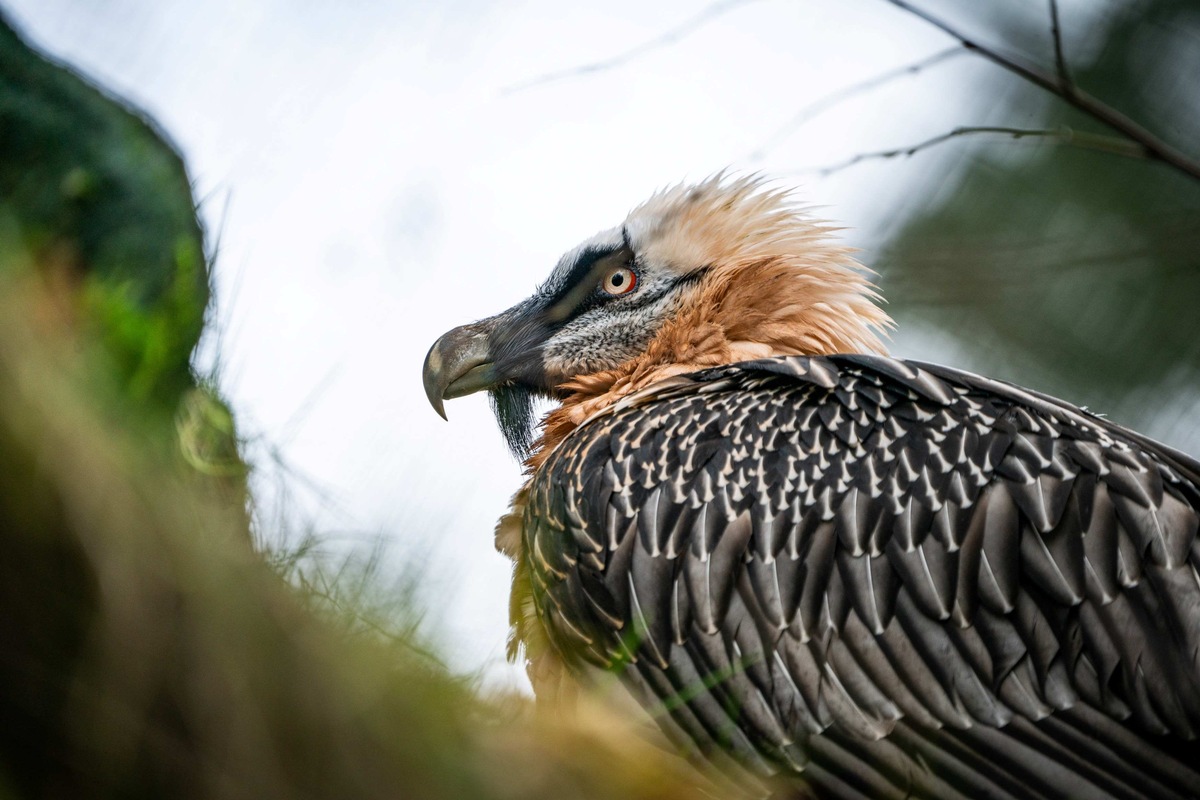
(619, 281)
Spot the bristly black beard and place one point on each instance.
(513, 406)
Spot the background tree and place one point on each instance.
(1057, 264)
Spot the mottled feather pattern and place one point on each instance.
(821, 564)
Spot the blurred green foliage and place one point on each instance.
(95, 199)
(96, 205)
(1070, 270)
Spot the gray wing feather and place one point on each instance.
(886, 578)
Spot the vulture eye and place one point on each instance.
(619, 281)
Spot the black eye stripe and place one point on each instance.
(581, 290)
(589, 263)
(582, 283)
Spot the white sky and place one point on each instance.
(375, 185)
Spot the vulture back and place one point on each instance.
(883, 579)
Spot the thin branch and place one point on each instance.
(1060, 60)
(836, 98)
(1154, 147)
(672, 36)
(1062, 135)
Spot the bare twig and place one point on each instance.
(1153, 147)
(1061, 135)
(672, 36)
(835, 98)
(1060, 60)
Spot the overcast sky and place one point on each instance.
(379, 172)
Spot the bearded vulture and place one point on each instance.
(818, 566)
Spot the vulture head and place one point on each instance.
(699, 275)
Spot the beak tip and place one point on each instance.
(432, 378)
(433, 392)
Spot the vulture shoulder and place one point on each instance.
(883, 577)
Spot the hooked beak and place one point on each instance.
(502, 352)
(459, 363)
